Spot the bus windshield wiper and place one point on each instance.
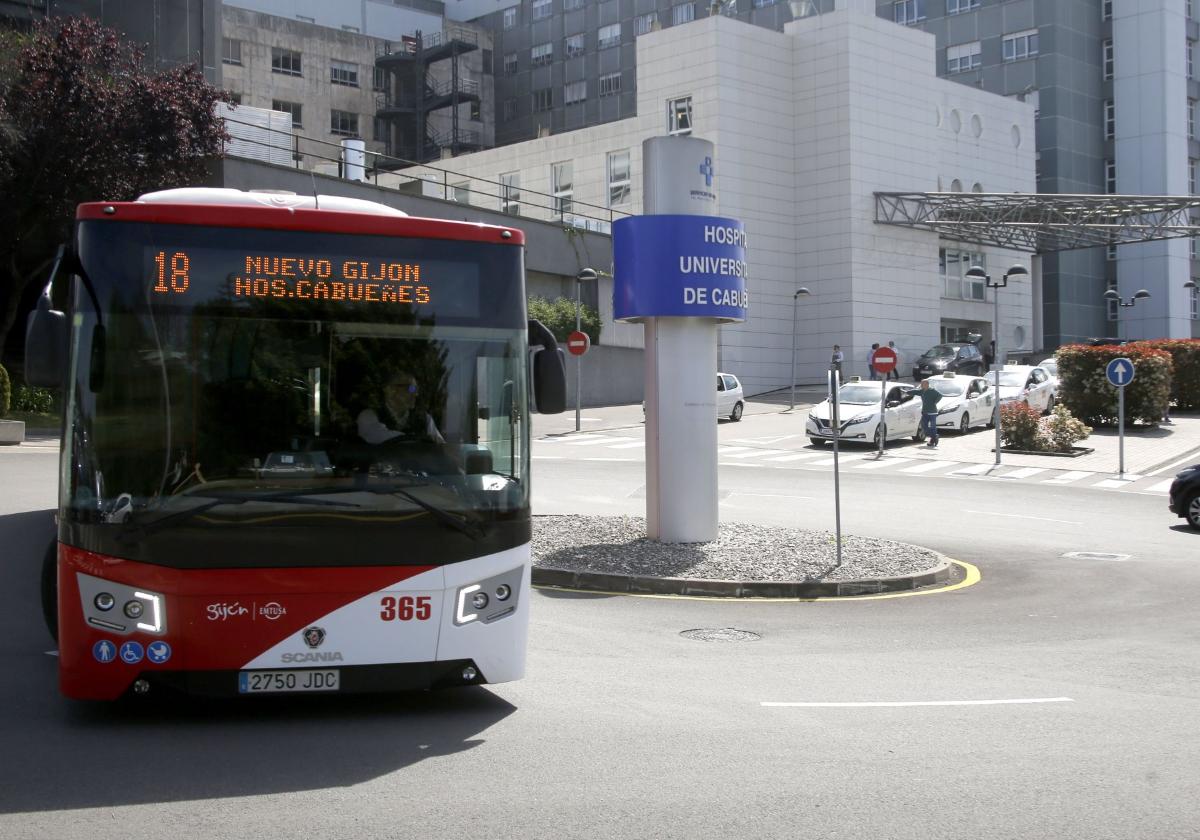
(217, 499)
(460, 523)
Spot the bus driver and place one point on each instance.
(406, 421)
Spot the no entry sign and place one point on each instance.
(885, 360)
(578, 343)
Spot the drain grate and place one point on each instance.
(723, 634)
(1097, 555)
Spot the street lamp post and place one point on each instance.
(977, 273)
(801, 292)
(585, 274)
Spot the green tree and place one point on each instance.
(559, 317)
(82, 120)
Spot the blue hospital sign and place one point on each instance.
(679, 266)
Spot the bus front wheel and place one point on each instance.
(50, 588)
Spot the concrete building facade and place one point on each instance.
(806, 130)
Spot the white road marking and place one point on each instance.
(725, 450)
(876, 704)
(929, 466)
(974, 469)
(1067, 477)
(1023, 473)
(1113, 483)
(634, 445)
(882, 462)
(769, 495)
(797, 456)
(842, 458)
(547, 458)
(597, 441)
(1161, 487)
(1022, 516)
(755, 453)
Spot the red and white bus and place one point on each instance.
(296, 447)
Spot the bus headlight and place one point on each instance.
(104, 601)
(502, 592)
(479, 600)
(133, 609)
(473, 603)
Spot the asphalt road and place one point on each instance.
(623, 728)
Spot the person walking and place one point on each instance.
(929, 412)
(835, 361)
(871, 361)
(894, 373)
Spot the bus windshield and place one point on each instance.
(279, 398)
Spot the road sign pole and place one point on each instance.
(578, 359)
(1121, 429)
(835, 417)
(881, 429)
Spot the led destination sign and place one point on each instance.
(297, 278)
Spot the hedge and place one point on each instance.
(1185, 372)
(559, 317)
(5, 392)
(1084, 388)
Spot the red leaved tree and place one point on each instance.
(82, 120)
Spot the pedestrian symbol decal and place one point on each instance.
(104, 651)
(158, 652)
(131, 653)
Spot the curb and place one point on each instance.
(638, 585)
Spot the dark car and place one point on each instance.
(1185, 495)
(1107, 342)
(952, 357)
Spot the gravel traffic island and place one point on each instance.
(612, 554)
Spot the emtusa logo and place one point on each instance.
(222, 612)
(272, 611)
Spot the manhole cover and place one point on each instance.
(723, 634)
(1097, 555)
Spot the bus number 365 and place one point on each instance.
(405, 608)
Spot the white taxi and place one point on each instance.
(1025, 383)
(858, 409)
(966, 401)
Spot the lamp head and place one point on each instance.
(586, 274)
(801, 292)
(1141, 294)
(1017, 270)
(1111, 294)
(976, 272)
(1190, 284)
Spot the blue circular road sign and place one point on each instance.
(1120, 372)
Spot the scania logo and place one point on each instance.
(313, 636)
(315, 656)
(221, 612)
(272, 611)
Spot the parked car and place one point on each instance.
(730, 400)
(858, 407)
(1104, 342)
(1185, 495)
(955, 356)
(1025, 383)
(1051, 367)
(966, 401)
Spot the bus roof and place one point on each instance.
(265, 213)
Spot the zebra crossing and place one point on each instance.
(600, 446)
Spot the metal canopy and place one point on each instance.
(1041, 223)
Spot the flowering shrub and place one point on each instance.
(1023, 427)
(1185, 368)
(1019, 426)
(1084, 388)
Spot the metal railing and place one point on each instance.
(431, 89)
(408, 44)
(445, 183)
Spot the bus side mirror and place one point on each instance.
(46, 336)
(549, 370)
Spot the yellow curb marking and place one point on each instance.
(972, 577)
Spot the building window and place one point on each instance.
(235, 99)
(380, 126)
(461, 192)
(343, 123)
(609, 36)
(1106, 10)
(541, 54)
(510, 17)
(293, 108)
(343, 73)
(560, 185)
(758, 4)
(284, 61)
(1110, 119)
(543, 99)
(510, 64)
(473, 112)
(380, 81)
(510, 193)
(1108, 59)
(1191, 176)
(953, 265)
(610, 84)
(571, 5)
(1191, 68)
(1110, 253)
(683, 13)
(541, 9)
(908, 12)
(574, 92)
(957, 7)
(487, 61)
(645, 23)
(618, 178)
(231, 51)
(1020, 45)
(1191, 119)
(510, 109)
(573, 45)
(963, 57)
(679, 115)
(1110, 177)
